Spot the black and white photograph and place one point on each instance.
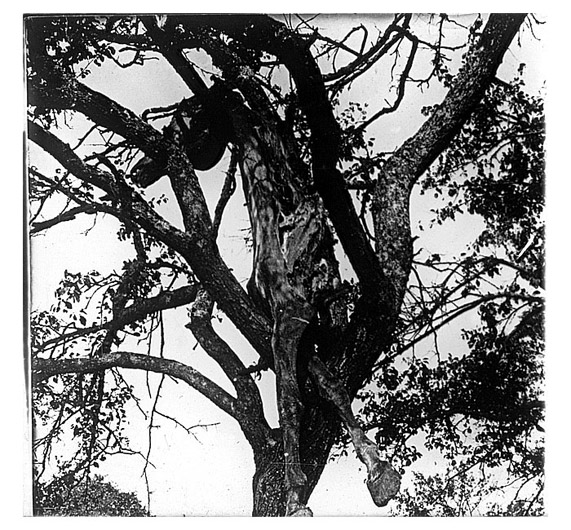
(285, 264)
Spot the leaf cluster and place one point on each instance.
(488, 400)
(94, 497)
(495, 169)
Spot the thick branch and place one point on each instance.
(419, 151)
(107, 113)
(404, 167)
(204, 260)
(249, 409)
(42, 369)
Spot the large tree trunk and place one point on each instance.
(268, 483)
(320, 428)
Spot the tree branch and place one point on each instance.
(43, 369)
(400, 89)
(351, 71)
(204, 260)
(478, 72)
(227, 190)
(402, 170)
(139, 310)
(455, 313)
(249, 408)
(173, 54)
(68, 215)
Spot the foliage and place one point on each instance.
(465, 494)
(495, 168)
(94, 497)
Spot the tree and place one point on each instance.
(272, 97)
(94, 498)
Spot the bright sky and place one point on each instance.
(188, 475)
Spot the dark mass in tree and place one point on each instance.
(291, 121)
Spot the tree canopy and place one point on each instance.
(338, 215)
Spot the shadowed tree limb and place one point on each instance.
(173, 54)
(135, 312)
(390, 207)
(63, 217)
(479, 71)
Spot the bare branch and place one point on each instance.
(356, 68)
(43, 369)
(400, 90)
(135, 312)
(68, 215)
(442, 320)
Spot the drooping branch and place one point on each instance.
(43, 369)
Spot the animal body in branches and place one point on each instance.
(202, 124)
